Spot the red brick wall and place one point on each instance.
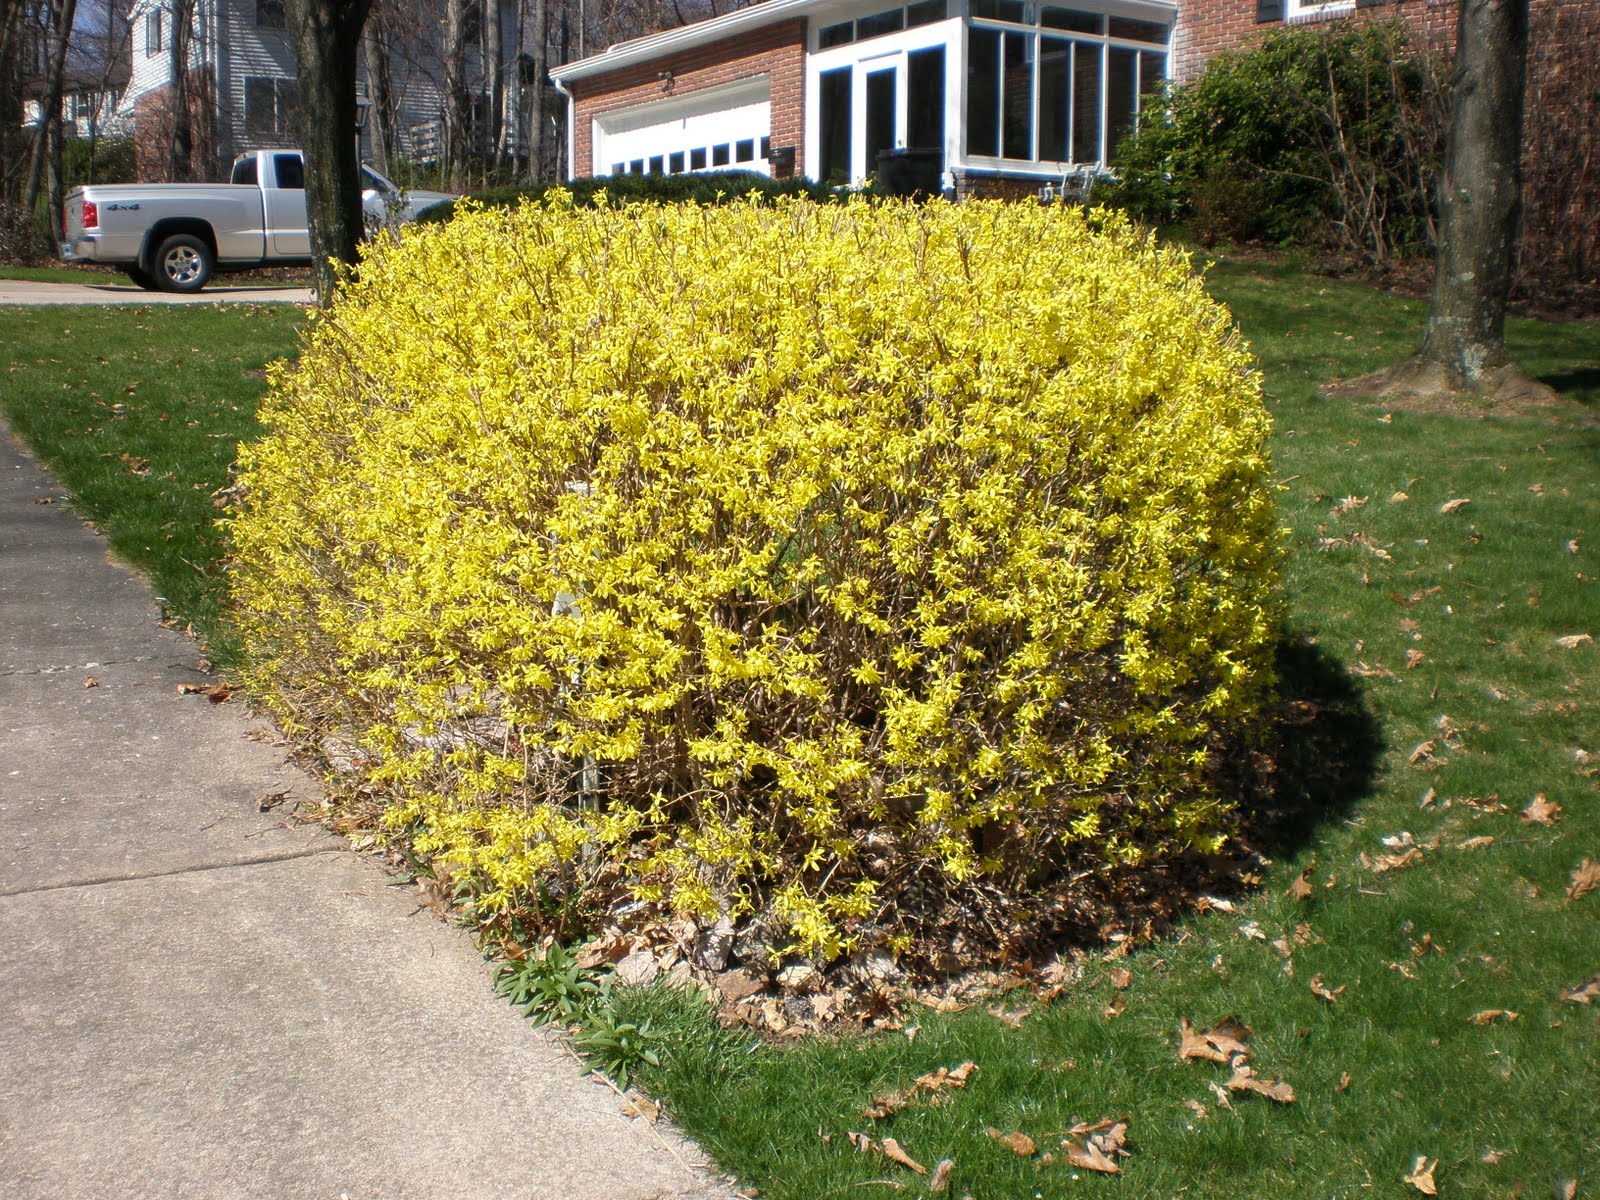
(777, 51)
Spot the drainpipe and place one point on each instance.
(572, 129)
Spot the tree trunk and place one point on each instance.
(380, 92)
(327, 40)
(457, 104)
(494, 71)
(537, 133)
(1480, 192)
(180, 151)
(61, 14)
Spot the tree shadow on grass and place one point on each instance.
(1324, 758)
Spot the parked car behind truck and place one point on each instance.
(176, 236)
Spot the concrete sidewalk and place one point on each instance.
(201, 999)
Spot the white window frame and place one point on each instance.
(1301, 10)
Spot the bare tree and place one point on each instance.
(1464, 348)
(327, 43)
(381, 122)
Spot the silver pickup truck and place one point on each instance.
(175, 236)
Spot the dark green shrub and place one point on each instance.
(104, 160)
(1327, 136)
(698, 187)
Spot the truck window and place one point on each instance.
(244, 171)
(291, 171)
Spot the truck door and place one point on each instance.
(286, 208)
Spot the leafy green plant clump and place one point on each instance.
(842, 569)
(1322, 136)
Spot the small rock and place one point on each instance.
(638, 969)
(714, 947)
(799, 977)
(752, 948)
(736, 985)
(876, 966)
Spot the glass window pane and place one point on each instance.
(878, 24)
(636, 167)
(1055, 97)
(291, 172)
(766, 147)
(720, 155)
(983, 91)
(675, 162)
(925, 13)
(619, 168)
(1002, 10)
(1152, 71)
(880, 115)
(1070, 19)
(1138, 31)
(925, 98)
(1122, 91)
(834, 118)
(697, 160)
(1086, 102)
(841, 34)
(745, 151)
(1017, 97)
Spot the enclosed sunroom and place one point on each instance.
(986, 92)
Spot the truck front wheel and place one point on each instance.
(183, 264)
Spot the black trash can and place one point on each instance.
(908, 171)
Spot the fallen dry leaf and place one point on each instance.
(1017, 1143)
(1099, 1147)
(1450, 506)
(1390, 862)
(1490, 1015)
(1301, 888)
(1585, 878)
(1344, 1082)
(891, 1151)
(1245, 1080)
(885, 1106)
(1198, 1109)
(861, 1142)
(1421, 751)
(1121, 978)
(217, 693)
(1421, 1176)
(1586, 991)
(1115, 1007)
(1013, 1019)
(1475, 843)
(1541, 812)
(641, 1106)
(1414, 658)
(1318, 988)
(1573, 640)
(1491, 1156)
(1398, 498)
(940, 1179)
(1216, 1045)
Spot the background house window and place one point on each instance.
(269, 107)
(152, 32)
(891, 20)
(271, 14)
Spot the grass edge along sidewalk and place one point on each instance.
(1412, 1001)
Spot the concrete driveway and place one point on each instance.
(116, 290)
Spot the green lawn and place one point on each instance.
(285, 277)
(1436, 700)
(139, 411)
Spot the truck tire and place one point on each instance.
(142, 277)
(183, 264)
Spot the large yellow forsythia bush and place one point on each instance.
(818, 562)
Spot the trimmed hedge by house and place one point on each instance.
(841, 570)
(697, 187)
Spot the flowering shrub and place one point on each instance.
(794, 560)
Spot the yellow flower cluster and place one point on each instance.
(770, 557)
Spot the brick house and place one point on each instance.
(995, 95)
(1002, 95)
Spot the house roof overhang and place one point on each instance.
(704, 33)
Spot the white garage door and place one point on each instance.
(713, 129)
